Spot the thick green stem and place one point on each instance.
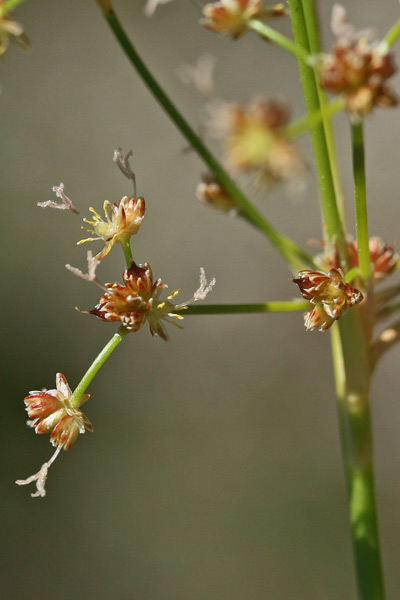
(312, 25)
(295, 255)
(331, 216)
(360, 201)
(352, 375)
(228, 309)
(76, 398)
(277, 38)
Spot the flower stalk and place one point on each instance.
(76, 398)
(330, 212)
(360, 201)
(352, 376)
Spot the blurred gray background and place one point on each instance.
(214, 471)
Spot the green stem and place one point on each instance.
(76, 398)
(300, 126)
(312, 25)
(392, 35)
(352, 376)
(360, 200)
(332, 220)
(126, 247)
(280, 40)
(228, 309)
(295, 255)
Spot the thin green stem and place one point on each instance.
(229, 309)
(126, 247)
(392, 35)
(76, 398)
(331, 216)
(295, 255)
(352, 375)
(360, 200)
(277, 38)
(312, 25)
(303, 125)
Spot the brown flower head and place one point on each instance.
(357, 68)
(232, 16)
(254, 139)
(51, 411)
(384, 257)
(330, 292)
(139, 300)
(121, 221)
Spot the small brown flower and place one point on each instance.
(330, 292)
(357, 69)
(139, 300)
(50, 408)
(211, 192)
(121, 221)
(254, 139)
(231, 16)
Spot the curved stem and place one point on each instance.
(360, 201)
(229, 309)
(277, 38)
(76, 398)
(352, 376)
(295, 255)
(332, 220)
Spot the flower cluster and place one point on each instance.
(139, 300)
(121, 221)
(383, 257)
(211, 192)
(232, 16)
(254, 139)
(331, 295)
(52, 412)
(356, 68)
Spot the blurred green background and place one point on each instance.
(214, 470)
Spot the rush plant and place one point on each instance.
(350, 291)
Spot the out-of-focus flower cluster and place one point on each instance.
(356, 68)
(384, 257)
(232, 16)
(10, 31)
(254, 139)
(331, 295)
